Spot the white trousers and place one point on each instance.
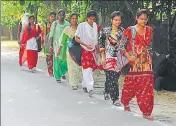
(88, 80)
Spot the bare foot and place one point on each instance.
(148, 117)
(127, 108)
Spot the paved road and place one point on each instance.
(34, 99)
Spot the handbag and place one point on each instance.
(38, 41)
(125, 69)
(75, 51)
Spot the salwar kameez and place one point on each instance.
(139, 82)
(56, 32)
(109, 42)
(29, 48)
(46, 45)
(74, 69)
(89, 35)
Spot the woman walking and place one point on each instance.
(29, 47)
(45, 35)
(74, 70)
(139, 81)
(87, 35)
(110, 38)
(57, 28)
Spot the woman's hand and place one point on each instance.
(131, 58)
(103, 62)
(58, 54)
(37, 38)
(23, 45)
(19, 42)
(51, 50)
(90, 47)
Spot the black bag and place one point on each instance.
(125, 69)
(75, 51)
(39, 44)
(38, 41)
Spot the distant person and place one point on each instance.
(57, 28)
(87, 35)
(29, 47)
(110, 38)
(22, 24)
(74, 70)
(139, 81)
(45, 36)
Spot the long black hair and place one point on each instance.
(91, 13)
(140, 12)
(52, 13)
(73, 14)
(29, 25)
(114, 14)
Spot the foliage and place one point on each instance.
(15, 9)
(11, 13)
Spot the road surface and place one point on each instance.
(34, 99)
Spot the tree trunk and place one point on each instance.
(129, 5)
(11, 34)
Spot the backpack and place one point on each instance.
(38, 40)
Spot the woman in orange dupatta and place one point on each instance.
(29, 47)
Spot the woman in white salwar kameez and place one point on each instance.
(87, 35)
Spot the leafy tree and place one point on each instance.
(12, 12)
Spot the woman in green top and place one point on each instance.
(74, 71)
(57, 28)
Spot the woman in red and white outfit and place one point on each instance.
(87, 35)
(139, 81)
(29, 47)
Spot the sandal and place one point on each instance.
(106, 96)
(75, 87)
(116, 103)
(85, 90)
(58, 81)
(90, 93)
(63, 77)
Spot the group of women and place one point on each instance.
(114, 44)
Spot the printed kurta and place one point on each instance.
(139, 81)
(74, 70)
(56, 31)
(109, 44)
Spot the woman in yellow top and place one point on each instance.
(74, 71)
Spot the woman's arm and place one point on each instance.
(102, 40)
(63, 42)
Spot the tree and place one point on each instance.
(12, 12)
